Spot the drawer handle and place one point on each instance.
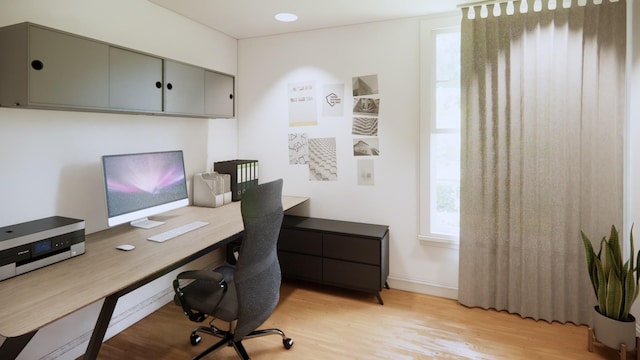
(169, 86)
(158, 84)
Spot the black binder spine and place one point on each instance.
(244, 174)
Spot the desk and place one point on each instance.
(33, 300)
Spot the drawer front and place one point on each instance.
(354, 276)
(352, 249)
(303, 242)
(300, 266)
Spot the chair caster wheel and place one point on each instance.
(195, 339)
(288, 343)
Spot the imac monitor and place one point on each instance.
(142, 185)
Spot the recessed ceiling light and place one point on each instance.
(286, 17)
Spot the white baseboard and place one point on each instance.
(423, 287)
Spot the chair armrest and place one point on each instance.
(206, 275)
(200, 275)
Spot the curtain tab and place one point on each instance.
(465, 13)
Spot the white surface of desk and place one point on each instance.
(33, 300)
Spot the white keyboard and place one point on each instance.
(170, 234)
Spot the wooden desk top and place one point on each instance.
(32, 300)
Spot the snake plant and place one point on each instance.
(615, 283)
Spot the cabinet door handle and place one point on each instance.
(169, 86)
(158, 84)
(37, 65)
(230, 96)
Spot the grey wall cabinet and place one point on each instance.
(183, 88)
(340, 253)
(135, 81)
(46, 68)
(218, 94)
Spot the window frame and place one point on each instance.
(428, 30)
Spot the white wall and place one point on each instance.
(389, 49)
(51, 159)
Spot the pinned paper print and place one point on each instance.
(365, 172)
(366, 146)
(302, 104)
(298, 149)
(323, 164)
(332, 100)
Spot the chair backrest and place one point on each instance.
(257, 276)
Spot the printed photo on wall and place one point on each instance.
(323, 164)
(366, 106)
(302, 104)
(365, 172)
(332, 100)
(298, 149)
(365, 126)
(365, 85)
(366, 146)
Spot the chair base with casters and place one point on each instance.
(226, 337)
(220, 277)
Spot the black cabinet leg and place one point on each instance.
(379, 298)
(386, 284)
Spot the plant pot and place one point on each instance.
(612, 332)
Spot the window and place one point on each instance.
(440, 132)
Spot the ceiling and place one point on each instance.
(243, 19)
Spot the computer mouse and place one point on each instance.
(125, 247)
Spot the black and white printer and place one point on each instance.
(34, 244)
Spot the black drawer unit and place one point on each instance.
(333, 252)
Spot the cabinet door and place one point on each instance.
(135, 81)
(183, 89)
(218, 94)
(65, 70)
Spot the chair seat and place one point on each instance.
(204, 295)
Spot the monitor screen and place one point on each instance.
(142, 185)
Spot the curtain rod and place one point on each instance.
(483, 2)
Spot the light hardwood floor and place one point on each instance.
(331, 323)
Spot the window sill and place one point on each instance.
(438, 242)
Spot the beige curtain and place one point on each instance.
(543, 94)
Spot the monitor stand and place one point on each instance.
(145, 223)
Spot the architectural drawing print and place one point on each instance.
(366, 106)
(298, 149)
(323, 164)
(365, 85)
(365, 126)
(366, 147)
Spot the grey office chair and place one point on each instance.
(245, 294)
